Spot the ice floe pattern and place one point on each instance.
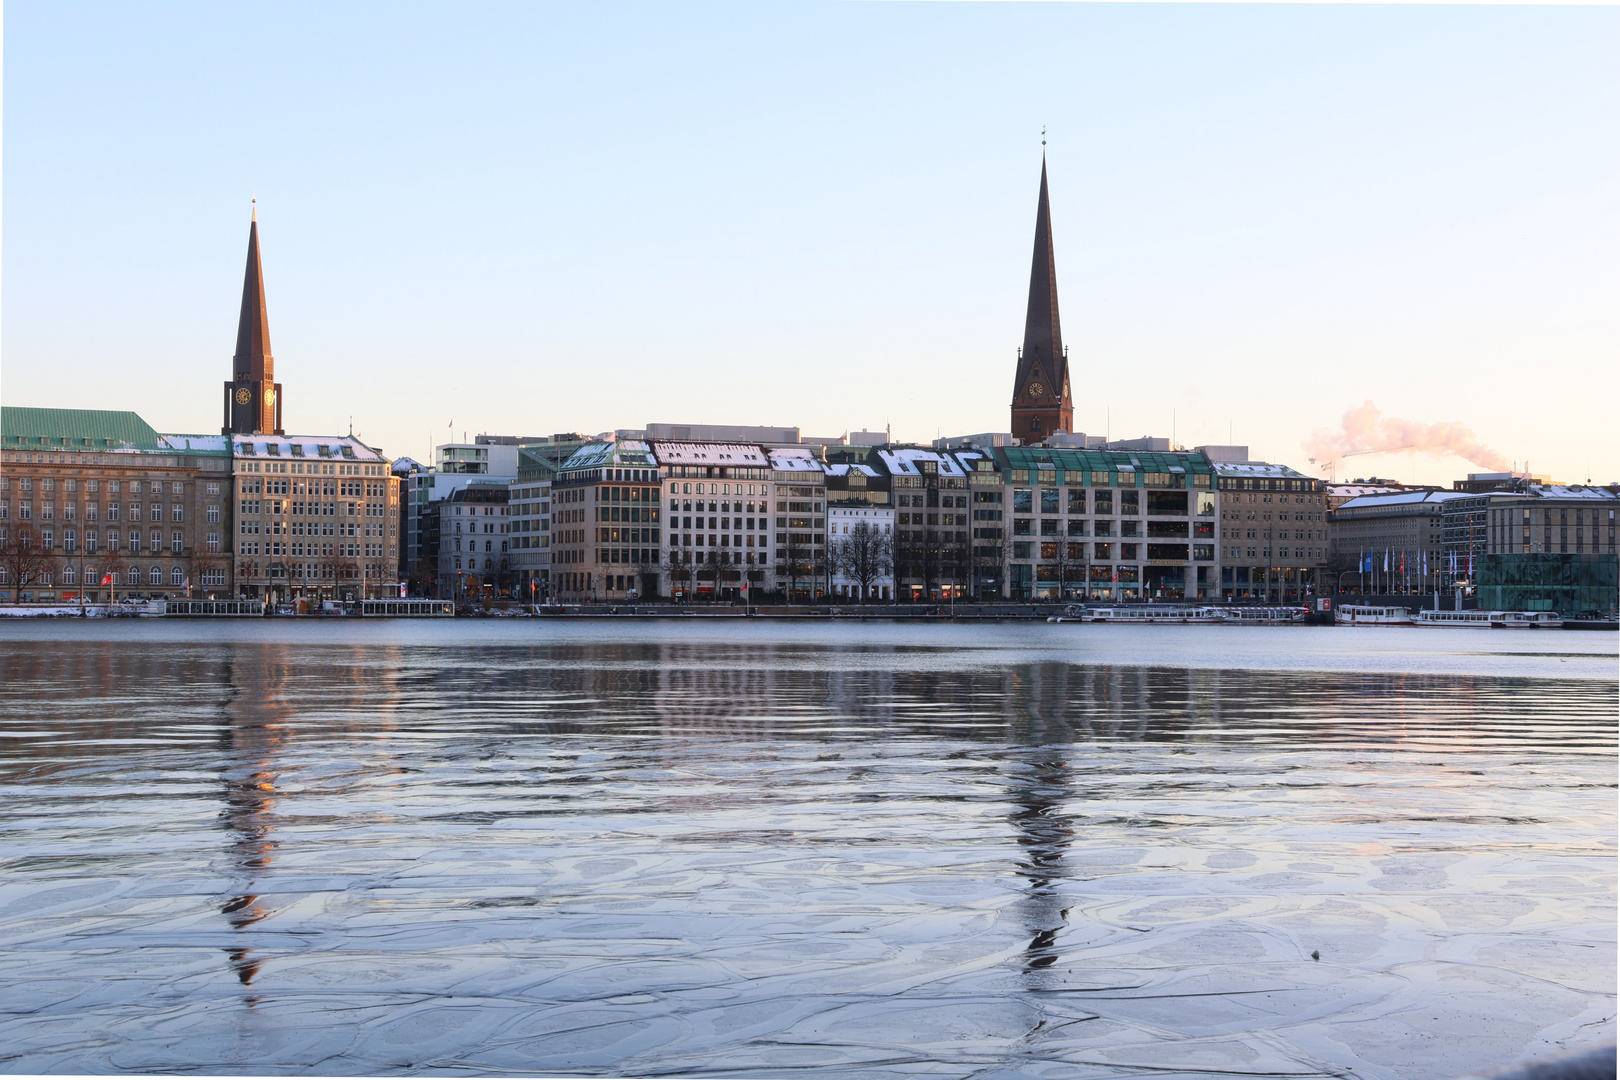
(677, 857)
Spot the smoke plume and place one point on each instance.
(1366, 428)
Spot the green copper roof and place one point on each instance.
(22, 428)
(1146, 461)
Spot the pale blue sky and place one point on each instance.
(538, 218)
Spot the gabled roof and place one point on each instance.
(305, 448)
(903, 461)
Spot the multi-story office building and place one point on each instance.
(317, 517)
(1273, 543)
(1109, 525)
(799, 538)
(472, 528)
(605, 523)
(1400, 538)
(933, 555)
(717, 541)
(1572, 519)
(96, 504)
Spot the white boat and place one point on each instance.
(1253, 616)
(1153, 613)
(1371, 615)
(1527, 620)
(1476, 618)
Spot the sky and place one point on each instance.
(536, 218)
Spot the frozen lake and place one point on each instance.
(755, 849)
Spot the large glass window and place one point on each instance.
(1022, 503)
(1166, 503)
(1077, 500)
(1102, 501)
(1049, 501)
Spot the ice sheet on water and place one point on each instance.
(750, 860)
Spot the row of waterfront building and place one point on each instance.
(97, 504)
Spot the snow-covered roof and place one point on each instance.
(699, 453)
(1352, 490)
(1569, 491)
(788, 459)
(845, 470)
(1255, 468)
(1399, 499)
(902, 461)
(214, 444)
(297, 447)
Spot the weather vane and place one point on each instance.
(1043, 134)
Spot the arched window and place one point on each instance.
(90, 577)
(489, 564)
(68, 576)
(132, 576)
(46, 579)
(177, 576)
(154, 576)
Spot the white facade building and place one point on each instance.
(840, 521)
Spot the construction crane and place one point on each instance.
(1329, 465)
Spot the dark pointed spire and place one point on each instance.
(252, 396)
(1043, 333)
(1042, 402)
(253, 358)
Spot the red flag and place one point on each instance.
(107, 580)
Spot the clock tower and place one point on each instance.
(252, 395)
(1041, 401)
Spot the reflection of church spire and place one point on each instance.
(249, 780)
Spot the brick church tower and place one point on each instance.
(252, 396)
(1041, 401)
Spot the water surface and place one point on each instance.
(751, 849)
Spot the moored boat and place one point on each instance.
(1255, 616)
(1371, 615)
(1153, 613)
(1527, 620)
(1476, 619)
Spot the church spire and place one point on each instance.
(1043, 332)
(253, 358)
(252, 396)
(1041, 402)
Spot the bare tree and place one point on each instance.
(799, 560)
(22, 556)
(679, 572)
(864, 555)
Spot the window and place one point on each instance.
(176, 575)
(177, 542)
(155, 575)
(177, 511)
(1049, 501)
(132, 576)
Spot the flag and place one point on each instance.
(107, 579)
(1386, 560)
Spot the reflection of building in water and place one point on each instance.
(1038, 784)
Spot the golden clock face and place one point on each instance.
(270, 397)
(1036, 389)
(243, 396)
